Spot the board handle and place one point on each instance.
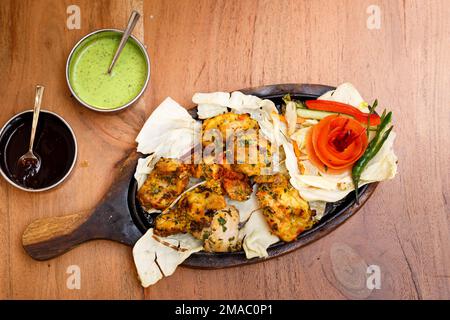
(49, 237)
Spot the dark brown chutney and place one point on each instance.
(54, 144)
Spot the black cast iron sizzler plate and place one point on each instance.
(336, 213)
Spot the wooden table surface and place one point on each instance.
(213, 45)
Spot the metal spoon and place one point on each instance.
(29, 163)
(134, 17)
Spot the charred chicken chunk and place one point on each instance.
(235, 139)
(199, 205)
(236, 185)
(285, 211)
(171, 222)
(164, 184)
(193, 211)
(222, 235)
(225, 125)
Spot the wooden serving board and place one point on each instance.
(49, 237)
(117, 216)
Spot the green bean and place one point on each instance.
(298, 104)
(372, 149)
(287, 98)
(371, 111)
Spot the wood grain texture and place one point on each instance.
(223, 45)
(30, 56)
(47, 228)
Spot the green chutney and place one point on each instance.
(88, 71)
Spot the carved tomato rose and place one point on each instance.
(336, 143)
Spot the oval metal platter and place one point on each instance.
(335, 214)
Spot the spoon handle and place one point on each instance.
(36, 110)
(134, 17)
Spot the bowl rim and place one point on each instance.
(75, 156)
(128, 104)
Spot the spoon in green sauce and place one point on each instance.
(134, 17)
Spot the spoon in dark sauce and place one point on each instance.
(29, 164)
